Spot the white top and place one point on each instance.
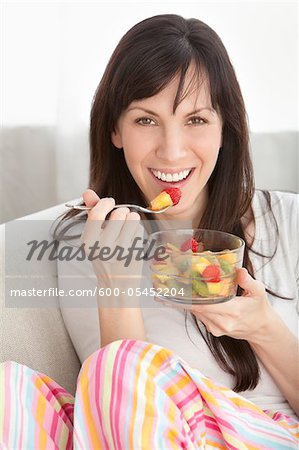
(165, 326)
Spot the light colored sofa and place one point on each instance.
(38, 337)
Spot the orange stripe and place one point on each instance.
(214, 444)
(95, 443)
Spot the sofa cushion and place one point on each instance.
(37, 337)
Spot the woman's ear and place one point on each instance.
(116, 138)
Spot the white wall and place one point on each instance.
(54, 54)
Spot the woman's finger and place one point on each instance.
(96, 216)
(252, 287)
(131, 230)
(111, 232)
(90, 197)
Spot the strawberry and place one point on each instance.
(189, 244)
(212, 273)
(175, 194)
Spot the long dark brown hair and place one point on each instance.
(146, 59)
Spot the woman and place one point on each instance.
(169, 101)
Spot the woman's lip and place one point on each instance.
(168, 184)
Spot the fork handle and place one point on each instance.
(88, 208)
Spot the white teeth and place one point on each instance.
(170, 177)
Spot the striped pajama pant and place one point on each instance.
(134, 395)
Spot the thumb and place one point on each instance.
(250, 285)
(90, 198)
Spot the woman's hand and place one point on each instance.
(244, 317)
(120, 229)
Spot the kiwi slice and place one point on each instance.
(200, 288)
(225, 266)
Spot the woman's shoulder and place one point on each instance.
(276, 216)
(278, 201)
(277, 206)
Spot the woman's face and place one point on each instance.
(157, 142)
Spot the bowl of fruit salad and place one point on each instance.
(195, 266)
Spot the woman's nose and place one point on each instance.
(171, 146)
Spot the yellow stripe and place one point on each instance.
(174, 388)
(236, 442)
(173, 435)
(107, 389)
(40, 414)
(150, 409)
(95, 443)
(210, 398)
(134, 403)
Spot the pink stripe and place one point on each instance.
(224, 423)
(252, 413)
(114, 401)
(58, 390)
(264, 432)
(186, 400)
(49, 396)
(213, 426)
(7, 401)
(63, 412)
(58, 432)
(77, 434)
(123, 352)
(54, 425)
(21, 423)
(113, 398)
(79, 426)
(197, 419)
(69, 413)
(231, 429)
(69, 444)
(129, 374)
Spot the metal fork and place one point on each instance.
(139, 208)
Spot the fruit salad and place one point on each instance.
(168, 197)
(195, 272)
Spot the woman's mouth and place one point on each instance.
(174, 179)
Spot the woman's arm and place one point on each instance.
(278, 350)
(120, 322)
(251, 317)
(120, 317)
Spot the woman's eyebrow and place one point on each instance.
(148, 111)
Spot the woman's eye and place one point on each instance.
(197, 121)
(144, 121)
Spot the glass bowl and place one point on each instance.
(188, 272)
